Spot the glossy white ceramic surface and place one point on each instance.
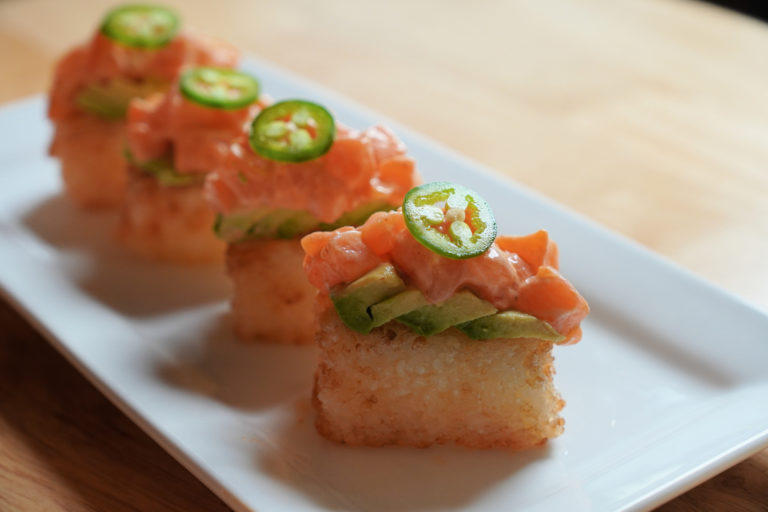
(667, 387)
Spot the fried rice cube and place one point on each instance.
(92, 165)
(273, 300)
(394, 387)
(170, 224)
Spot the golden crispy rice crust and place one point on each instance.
(90, 152)
(273, 300)
(392, 386)
(172, 224)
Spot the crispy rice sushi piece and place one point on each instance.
(92, 87)
(272, 301)
(173, 142)
(171, 224)
(393, 386)
(90, 151)
(264, 206)
(419, 349)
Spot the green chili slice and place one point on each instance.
(449, 219)
(227, 89)
(141, 26)
(293, 131)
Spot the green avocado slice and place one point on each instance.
(163, 171)
(110, 100)
(397, 305)
(509, 325)
(270, 221)
(357, 216)
(238, 226)
(297, 224)
(353, 301)
(434, 318)
(286, 223)
(264, 223)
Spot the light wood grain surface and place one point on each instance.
(648, 116)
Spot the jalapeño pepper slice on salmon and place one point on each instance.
(141, 26)
(219, 88)
(293, 131)
(449, 219)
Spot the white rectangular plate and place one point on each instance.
(667, 388)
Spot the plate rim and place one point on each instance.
(679, 485)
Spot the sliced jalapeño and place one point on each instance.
(219, 88)
(449, 219)
(141, 26)
(293, 131)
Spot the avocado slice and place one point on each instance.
(233, 226)
(298, 223)
(110, 100)
(252, 224)
(286, 223)
(397, 305)
(510, 324)
(100, 103)
(268, 223)
(357, 216)
(166, 175)
(162, 170)
(353, 301)
(263, 222)
(434, 318)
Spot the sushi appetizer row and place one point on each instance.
(138, 50)
(295, 172)
(432, 329)
(174, 140)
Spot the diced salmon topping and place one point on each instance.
(535, 249)
(549, 297)
(516, 273)
(102, 60)
(359, 167)
(381, 231)
(345, 247)
(198, 137)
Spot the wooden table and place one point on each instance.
(648, 116)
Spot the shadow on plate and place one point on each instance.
(254, 376)
(90, 256)
(249, 376)
(381, 479)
